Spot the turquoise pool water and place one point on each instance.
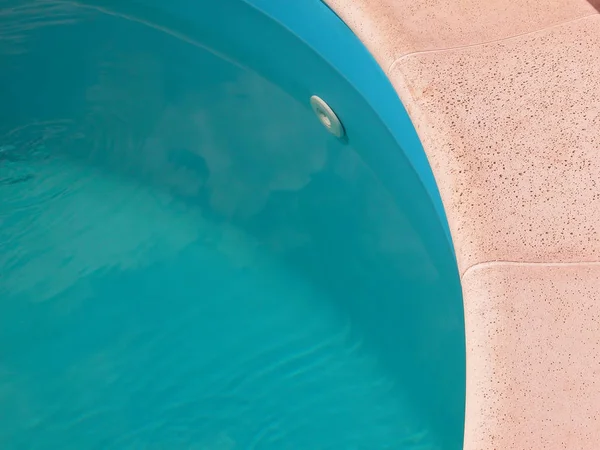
(189, 261)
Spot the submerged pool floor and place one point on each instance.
(130, 319)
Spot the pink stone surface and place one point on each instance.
(511, 130)
(505, 96)
(394, 28)
(533, 364)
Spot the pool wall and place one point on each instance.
(504, 96)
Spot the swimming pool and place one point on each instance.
(189, 260)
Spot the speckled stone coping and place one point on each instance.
(505, 96)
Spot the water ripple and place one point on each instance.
(19, 20)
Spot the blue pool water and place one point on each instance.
(189, 261)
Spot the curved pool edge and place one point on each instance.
(503, 99)
(336, 44)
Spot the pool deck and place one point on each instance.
(505, 96)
